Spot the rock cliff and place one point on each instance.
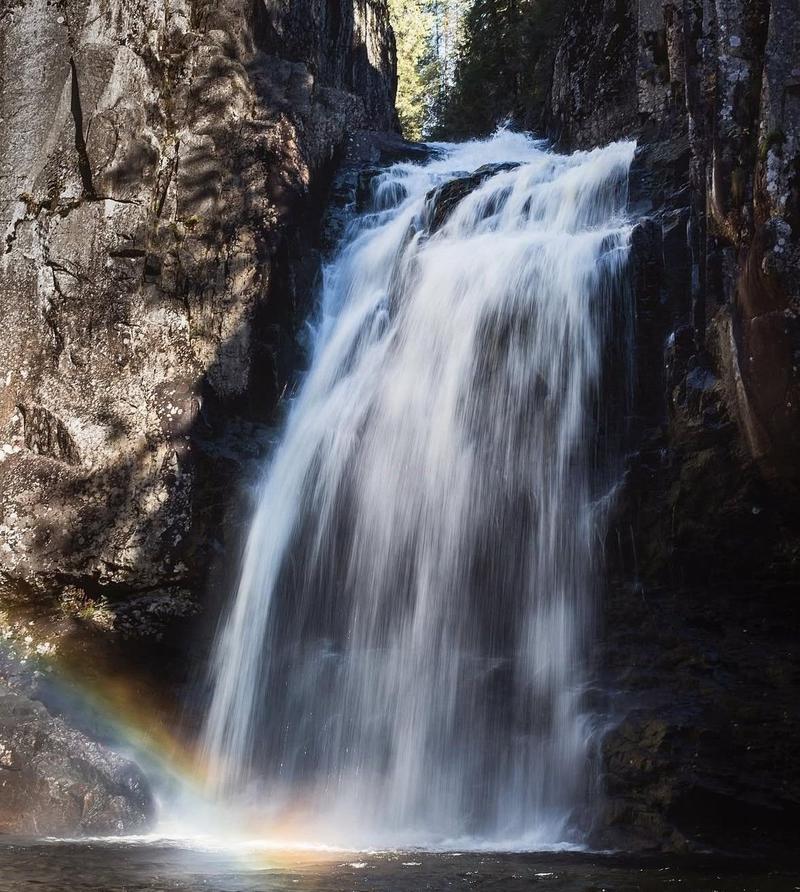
(701, 615)
(162, 167)
(712, 91)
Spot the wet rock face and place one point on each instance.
(722, 78)
(162, 168)
(443, 200)
(55, 781)
(701, 615)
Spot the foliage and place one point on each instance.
(503, 66)
(413, 24)
(464, 66)
(428, 35)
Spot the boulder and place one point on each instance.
(55, 781)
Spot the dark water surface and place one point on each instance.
(125, 867)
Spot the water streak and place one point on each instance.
(405, 657)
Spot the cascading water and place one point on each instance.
(405, 658)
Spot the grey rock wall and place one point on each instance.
(162, 164)
(719, 84)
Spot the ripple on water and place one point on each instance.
(152, 864)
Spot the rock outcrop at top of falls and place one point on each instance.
(163, 166)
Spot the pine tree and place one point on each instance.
(502, 66)
(413, 24)
(464, 66)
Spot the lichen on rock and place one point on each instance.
(162, 188)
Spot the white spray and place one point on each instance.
(405, 656)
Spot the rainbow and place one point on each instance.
(127, 710)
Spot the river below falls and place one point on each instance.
(124, 866)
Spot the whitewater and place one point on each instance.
(407, 653)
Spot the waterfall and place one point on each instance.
(405, 659)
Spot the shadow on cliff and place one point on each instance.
(243, 203)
